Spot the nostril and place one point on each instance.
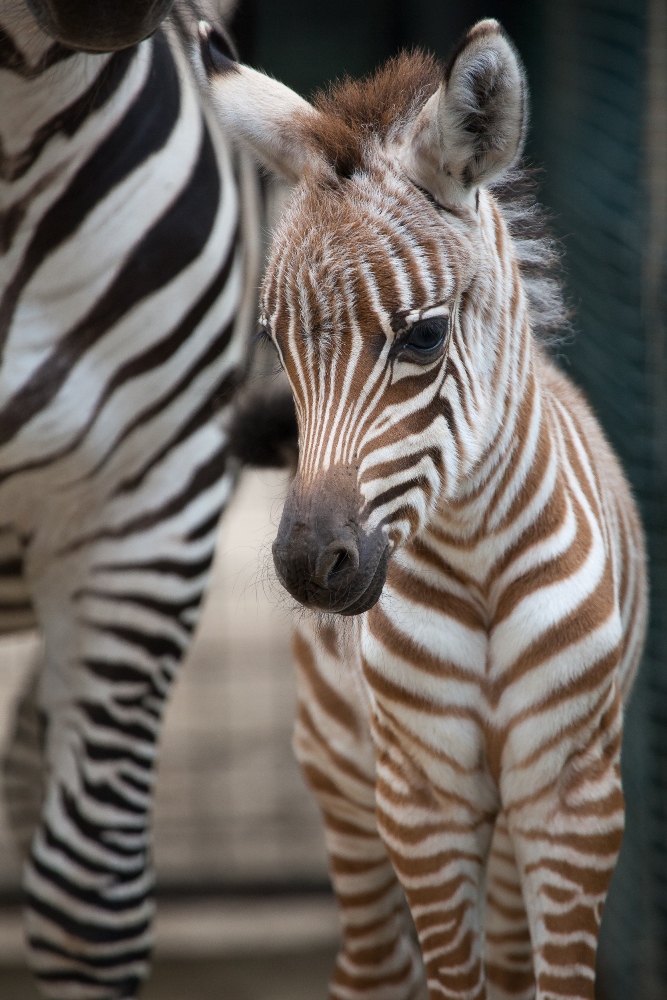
(335, 564)
(342, 560)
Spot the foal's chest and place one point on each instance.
(426, 658)
(451, 674)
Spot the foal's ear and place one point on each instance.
(472, 129)
(255, 110)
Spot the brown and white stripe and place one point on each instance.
(457, 498)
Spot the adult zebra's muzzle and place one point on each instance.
(323, 556)
(103, 26)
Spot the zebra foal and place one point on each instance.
(128, 274)
(457, 500)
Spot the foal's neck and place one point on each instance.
(509, 415)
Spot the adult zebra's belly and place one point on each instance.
(103, 406)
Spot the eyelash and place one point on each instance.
(263, 336)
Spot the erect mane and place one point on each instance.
(354, 113)
(538, 253)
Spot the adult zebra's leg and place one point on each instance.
(22, 758)
(117, 608)
(508, 954)
(16, 610)
(377, 959)
(23, 765)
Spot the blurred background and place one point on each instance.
(244, 908)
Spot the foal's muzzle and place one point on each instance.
(322, 555)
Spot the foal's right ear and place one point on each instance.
(255, 110)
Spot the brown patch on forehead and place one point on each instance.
(355, 113)
(332, 280)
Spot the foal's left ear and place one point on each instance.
(472, 129)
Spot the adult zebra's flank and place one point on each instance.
(128, 273)
(456, 497)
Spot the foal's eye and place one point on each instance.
(270, 355)
(427, 336)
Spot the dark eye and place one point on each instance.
(428, 335)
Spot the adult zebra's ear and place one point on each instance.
(472, 129)
(260, 113)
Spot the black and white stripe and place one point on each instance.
(128, 269)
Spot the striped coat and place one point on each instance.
(128, 273)
(458, 525)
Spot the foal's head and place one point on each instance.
(390, 283)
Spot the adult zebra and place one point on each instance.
(456, 497)
(129, 244)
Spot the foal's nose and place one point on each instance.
(315, 561)
(322, 554)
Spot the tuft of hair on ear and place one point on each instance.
(262, 428)
(538, 253)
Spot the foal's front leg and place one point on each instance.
(377, 959)
(508, 951)
(439, 843)
(566, 822)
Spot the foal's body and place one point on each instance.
(465, 672)
(456, 495)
